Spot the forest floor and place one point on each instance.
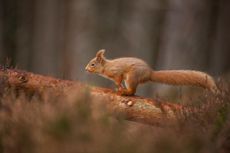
(49, 123)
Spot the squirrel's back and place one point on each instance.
(129, 67)
(128, 61)
(126, 64)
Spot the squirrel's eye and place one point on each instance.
(92, 64)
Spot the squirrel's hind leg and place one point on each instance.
(131, 85)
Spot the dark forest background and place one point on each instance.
(59, 37)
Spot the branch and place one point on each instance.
(132, 108)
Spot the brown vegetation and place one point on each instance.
(44, 114)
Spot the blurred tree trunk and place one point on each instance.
(9, 22)
(79, 29)
(221, 52)
(45, 57)
(1, 31)
(185, 41)
(24, 35)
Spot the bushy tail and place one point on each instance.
(184, 77)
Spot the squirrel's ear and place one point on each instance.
(100, 56)
(100, 53)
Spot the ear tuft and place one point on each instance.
(100, 56)
(100, 53)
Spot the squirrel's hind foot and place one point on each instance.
(125, 92)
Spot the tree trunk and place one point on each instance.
(133, 108)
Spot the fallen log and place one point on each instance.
(133, 108)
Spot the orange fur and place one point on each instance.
(184, 77)
(134, 71)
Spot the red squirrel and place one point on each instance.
(134, 71)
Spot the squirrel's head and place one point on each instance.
(96, 65)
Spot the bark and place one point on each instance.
(148, 111)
